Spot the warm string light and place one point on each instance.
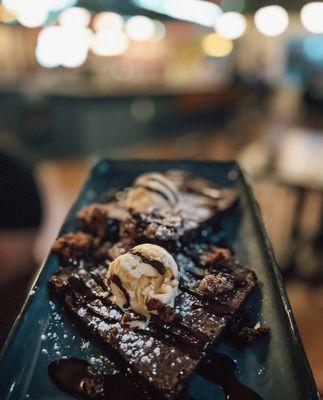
(271, 20)
(215, 45)
(140, 28)
(231, 25)
(48, 48)
(33, 13)
(108, 20)
(75, 17)
(66, 44)
(109, 42)
(312, 17)
(113, 33)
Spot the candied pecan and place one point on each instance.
(165, 313)
(112, 335)
(168, 315)
(214, 285)
(214, 256)
(126, 318)
(154, 304)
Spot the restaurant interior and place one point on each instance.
(163, 79)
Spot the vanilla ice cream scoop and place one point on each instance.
(151, 190)
(145, 276)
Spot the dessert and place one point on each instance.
(148, 284)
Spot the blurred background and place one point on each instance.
(225, 79)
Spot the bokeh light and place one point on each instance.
(57, 45)
(76, 45)
(159, 31)
(109, 42)
(140, 28)
(271, 20)
(312, 17)
(48, 49)
(31, 13)
(215, 45)
(75, 17)
(231, 25)
(108, 20)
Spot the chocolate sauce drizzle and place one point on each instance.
(81, 380)
(116, 280)
(99, 281)
(159, 266)
(150, 189)
(214, 306)
(154, 178)
(161, 193)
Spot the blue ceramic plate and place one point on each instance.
(277, 371)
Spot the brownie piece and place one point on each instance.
(209, 256)
(221, 286)
(163, 226)
(192, 214)
(158, 225)
(197, 206)
(102, 220)
(151, 356)
(74, 246)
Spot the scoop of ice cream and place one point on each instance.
(145, 279)
(151, 190)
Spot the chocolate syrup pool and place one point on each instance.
(220, 370)
(81, 380)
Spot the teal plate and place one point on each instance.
(278, 370)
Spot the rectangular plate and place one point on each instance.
(42, 333)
